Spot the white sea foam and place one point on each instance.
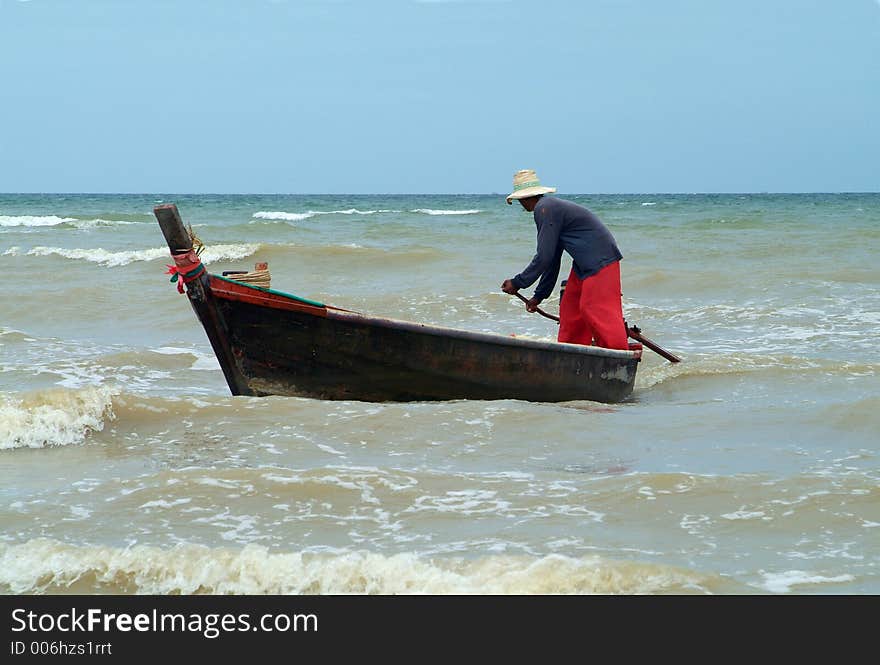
(284, 216)
(217, 482)
(56, 417)
(162, 503)
(431, 211)
(215, 253)
(100, 256)
(466, 502)
(34, 220)
(350, 211)
(47, 566)
(745, 515)
(330, 450)
(116, 259)
(783, 582)
(53, 220)
(203, 361)
(77, 514)
(299, 216)
(172, 351)
(92, 223)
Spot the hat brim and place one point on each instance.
(529, 191)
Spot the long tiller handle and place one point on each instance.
(632, 331)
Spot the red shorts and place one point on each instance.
(591, 312)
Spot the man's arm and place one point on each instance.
(547, 256)
(548, 278)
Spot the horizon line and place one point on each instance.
(498, 194)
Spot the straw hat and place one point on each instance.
(526, 184)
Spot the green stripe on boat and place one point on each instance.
(273, 291)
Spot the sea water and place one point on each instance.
(751, 467)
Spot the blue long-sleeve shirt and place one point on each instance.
(563, 225)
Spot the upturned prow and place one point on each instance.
(173, 228)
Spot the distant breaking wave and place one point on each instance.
(115, 259)
(30, 220)
(100, 256)
(92, 223)
(430, 211)
(284, 216)
(299, 216)
(53, 220)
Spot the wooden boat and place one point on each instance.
(274, 343)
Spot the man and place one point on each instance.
(590, 311)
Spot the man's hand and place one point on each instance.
(508, 287)
(532, 305)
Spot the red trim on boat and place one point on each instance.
(243, 293)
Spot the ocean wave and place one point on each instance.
(280, 215)
(284, 216)
(299, 216)
(33, 221)
(45, 566)
(101, 256)
(431, 211)
(55, 417)
(93, 223)
(13, 335)
(214, 253)
(113, 259)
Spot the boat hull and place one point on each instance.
(286, 348)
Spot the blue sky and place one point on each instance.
(442, 96)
